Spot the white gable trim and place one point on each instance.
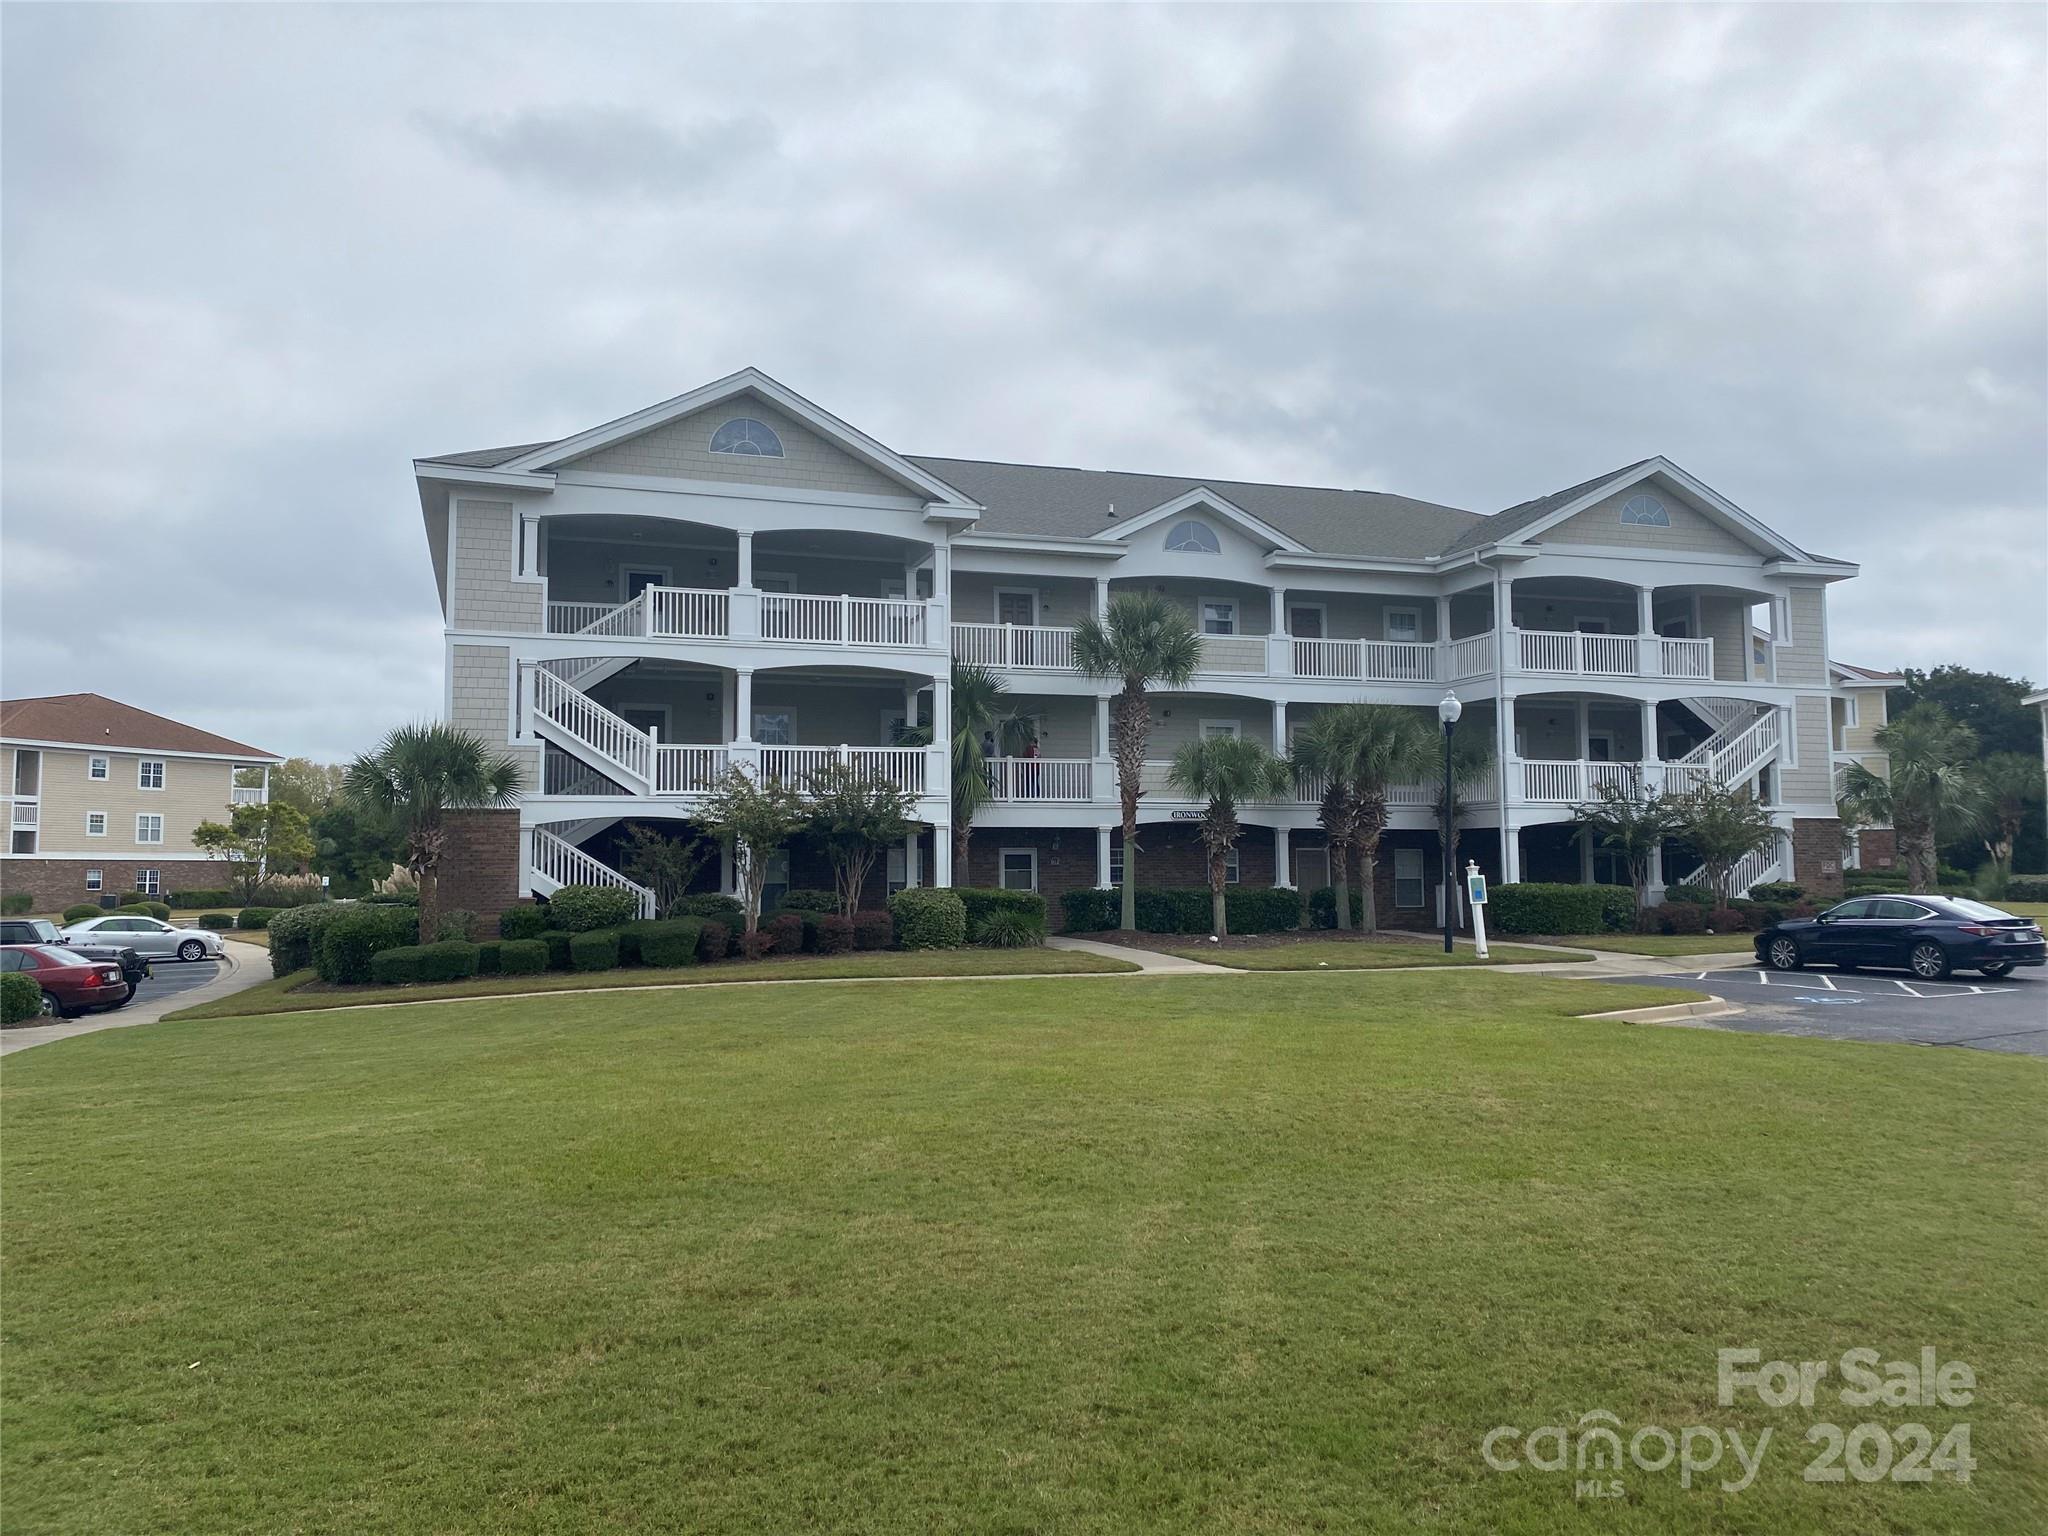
(749, 381)
(1201, 496)
(1718, 506)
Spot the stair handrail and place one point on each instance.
(590, 725)
(555, 856)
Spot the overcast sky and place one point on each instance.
(257, 259)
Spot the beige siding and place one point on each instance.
(482, 690)
(195, 790)
(1690, 531)
(1803, 662)
(1060, 601)
(1254, 604)
(1725, 621)
(682, 450)
(1363, 615)
(486, 554)
(1870, 719)
(1812, 782)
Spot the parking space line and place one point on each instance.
(1905, 989)
(1825, 980)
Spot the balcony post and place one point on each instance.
(1102, 727)
(1443, 621)
(912, 849)
(526, 683)
(746, 567)
(1283, 867)
(1585, 856)
(1102, 851)
(942, 855)
(1280, 727)
(1102, 597)
(1652, 752)
(743, 705)
(942, 712)
(1510, 855)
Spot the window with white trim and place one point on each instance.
(1408, 878)
(94, 879)
(774, 727)
(95, 823)
(1230, 867)
(1404, 624)
(96, 768)
(1214, 729)
(1020, 869)
(1116, 863)
(1193, 538)
(1219, 616)
(149, 773)
(148, 828)
(1849, 709)
(744, 435)
(150, 882)
(1644, 512)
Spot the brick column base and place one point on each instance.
(479, 871)
(1817, 855)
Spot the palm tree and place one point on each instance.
(977, 705)
(1143, 639)
(1222, 771)
(1374, 747)
(416, 775)
(1471, 768)
(1321, 752)
(1934, 793)
(2012, 782)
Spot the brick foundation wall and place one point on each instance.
(1817, 855)
(59, 883)
(479, 871)
(1878, 848)
(1170, 854)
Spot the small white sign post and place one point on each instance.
(1475, 894)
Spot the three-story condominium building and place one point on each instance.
(737, 577)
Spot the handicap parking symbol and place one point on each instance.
(1828, 997)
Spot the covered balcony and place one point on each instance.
(1579, 627)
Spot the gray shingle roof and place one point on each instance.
(1520, 516)
(1074, 503)
(484, 458)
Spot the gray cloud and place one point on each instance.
(255, 261)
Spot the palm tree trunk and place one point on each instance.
(1368, 903)
(1219, 921)
(961, 833)
(1340, 883)
(430, 903)
(1127, 921)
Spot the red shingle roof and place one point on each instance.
(92, 719)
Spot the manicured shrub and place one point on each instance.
(596, 950)
(1677, 917)
(1698, 895)
(785, 933)
(873, 930)
(18, 904)
(835, 934)
(756, 945)
(397, 967)
(585, 908)
(219, 922)
(454, 924)
(80, 913)
(670, 943)
(1260, 909)
(807, 901)
(928, 918)
(1528, 907)
(2027, 888)
(522, 957)
(291, 938)
(489, 957)
(133, 909)
(1729, 919)
(719, 909)
(253, 918)
(1776, 890)
(1010, 930)
(982, 904)
(557, 942)
(714, 941)
(524, 921)
(393, 898)
(346, 942)
(20, 998)
(449, 960)
(160, 910)
(1322, 907)
(192, 900)
(1090, 911)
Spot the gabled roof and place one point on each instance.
(1854, 674)
(484, 458)
(1491, 530)
(1051, 502)
(94, 720)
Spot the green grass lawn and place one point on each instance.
(1173, 1255)
(1666, 943)
(300, 992)
(2037, 909)
(1357, 955)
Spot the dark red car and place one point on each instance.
(70, 982)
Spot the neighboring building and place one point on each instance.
(103, 798)
(1858, 714)
(736, 576)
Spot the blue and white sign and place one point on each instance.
(1475, 889)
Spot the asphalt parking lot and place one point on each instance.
(167, 978)
(1968, 1011)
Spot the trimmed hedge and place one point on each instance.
(522, 957)
(20, 998)
(19, 904)
(808, 901)
(2027, 888)
(346, 941)
(1776, 890)
(587, 908)
(522, 922)
(595, 949)
(488, 958)
(873, 930)
(449, 960)
(258, 917)
(673, 942)
(929, 918)
(219, 922)
(1089, 910)
(785, 933)
(1533, 908)
(557, 942)
(1697, 895)
(1186, 909)
(192, 899)
(295, 932)
(835, 934)
(1028, 907)
(1261, 909)
(80, 913)
(719, 909)
(714, 941)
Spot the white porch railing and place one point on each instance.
(1751, 869)
(1583, 655)
(1470, 657)
(1069, 780)
(1391, 661)
(1036, 647)
(24, 813)
(843, 620)
(250, 794)
(609, 620)
(556, 862)
(908, 768)
(689, 613)
(590, 725)
(1572, 781)
(689, 770)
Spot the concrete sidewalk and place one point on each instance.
(1150, 962)
(243, 967)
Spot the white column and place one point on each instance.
(1652, 751)
(746, 571)
(1585, 726)
(911, 851)
(1102, 727)
(910, 687)
(1101, 597)
(1277, 597)
(1283, 865)
(942, 711)
(529, 546)
(1280, 727)
(266, 783)
(1102, 851)
(728, 877)
(1510, 856)
(743, 705)
(1654, 894)
(942, 572)
(1443, 618)
(1644, 623)
(942, 855)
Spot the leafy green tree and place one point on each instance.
(301, 782)
(418, 774)
(256, 840)
(854, 815)
(1142, 641)
(1631, 822)
(354, 847)
(1989, 705)
(667, 865)
(1221, 772)
(1933, 793)
(752, 818)
(2012, 783)
(1372, 747)
(1723, 825)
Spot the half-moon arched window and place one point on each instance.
(1194, 538)
(1645, 512)
(743, 434)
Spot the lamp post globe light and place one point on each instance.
(1447, 710)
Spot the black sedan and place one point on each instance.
(1927, 935)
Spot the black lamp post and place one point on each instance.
(1448, 711)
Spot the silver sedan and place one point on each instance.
(146, 935)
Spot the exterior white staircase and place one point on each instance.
(577, 723)
(1745, 743)
(554, 862)
(1754, 869)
